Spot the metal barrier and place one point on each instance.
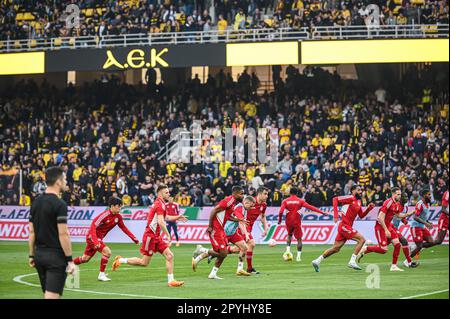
(229, 36)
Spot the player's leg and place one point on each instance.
(89, 252)
(360, 242)
(167, 253)
(147, 249)
(439, 239)
(405, 248)
(381, 248)
(242, 246)
(175, 230)
(290, 232)
(417, 235)
(298, 234)
(397, 247)
(339, 242)
(106, 254)
(143, 261)
(220, 258)
(249, 257)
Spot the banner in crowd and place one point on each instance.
(317, 229)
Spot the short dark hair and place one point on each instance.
(161, 187)
(294, 191)
(52, 174)
(261, 189)
(395, 189)
(237, 189)
(354, 187)
(251, 199)
(424, 191)
(114, 201)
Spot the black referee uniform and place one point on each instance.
(46, 212)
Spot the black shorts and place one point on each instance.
(51, 267)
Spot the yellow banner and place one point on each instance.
(22, 63)
(375, 51)
(273, 53)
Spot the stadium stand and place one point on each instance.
(332, 133)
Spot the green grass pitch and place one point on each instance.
(278, 279)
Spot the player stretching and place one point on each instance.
(217, 219)
(292, 205)
(345, 227)
(420, 224)
(259, 209)
(152, 240)
(385, 231)
(101, 226)
(237, 233)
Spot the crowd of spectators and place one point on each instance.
(332, 133)
(41, 19)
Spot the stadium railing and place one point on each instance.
(229, 36)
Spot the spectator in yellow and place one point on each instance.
(285, 135)
(171, 168)
(184, 200)
(222, 26)
(250, 109)
(25, 200)
(239, 20)
(365, 179)
(223, 168)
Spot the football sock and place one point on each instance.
(240, 266)
(353, 258)
(299, 254)
(249, 259)
(319, 259)
(204, 250)
(198, 258)
(214, 271)
(396, 253)
(406, 253)
(102, 273)
(123, 260)
(169, 277)
(288, 249)
(103, 263)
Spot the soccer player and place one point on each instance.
(173, 210)
(217, 219)
(345, 227)
(385, 231)
(259, 209)
(152, 240)
(237, 233)
(420, 224)
(442, 224)
(100, 227)
(292, 205)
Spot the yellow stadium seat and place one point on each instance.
(88, 12)
(398, 2)
(29, 16)
(418, 2)
(72, 41)
(33, 43)
(19, 16)
(100, 10)
(17, 44)
(57, 42)
(1, 45)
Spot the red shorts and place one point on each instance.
(90, 249)
(236, 237)
(345, 232)
(419, 234)
(380, 234)
(152, 243)
(218, 239)
(399, 234)
(443, 223)
(294, 228)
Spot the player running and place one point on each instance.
(152, 240)
(102, 225)
(217, 220)
(385, 231)
(293, 204)
(259, 209)
(420, 225)
(345, 227)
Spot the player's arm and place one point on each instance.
(31, 243)
(381, 220)
(314, 208)
(93, 231)
(162, 224)
(176, 218)
(417, 218)
(127, 231)
(265, 224)
(219, 208)
(366, 212)
(280, 213)
(64, 237)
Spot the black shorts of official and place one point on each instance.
(51, 267)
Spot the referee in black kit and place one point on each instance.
(49, 243)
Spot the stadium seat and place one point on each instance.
(72, 41)
(57, 42)
(17, 44)
(33, 43)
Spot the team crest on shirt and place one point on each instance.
(116, 220)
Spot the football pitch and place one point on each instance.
(278, 279)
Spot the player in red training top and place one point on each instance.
(259, 209)
(292, 205)
(173, 210)
(217, 219)
(442, 223)
(152, 240)
(345, 227)
(385, 231)
(101, 225)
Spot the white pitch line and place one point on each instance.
(426, 294)
(19, 280)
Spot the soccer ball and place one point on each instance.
(287, 256)
(272, 242)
